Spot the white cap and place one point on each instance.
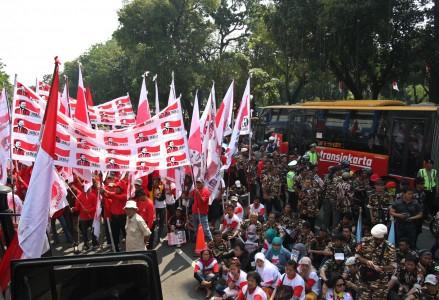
(351, 261)
(244, 149)
(271, 138)
(138, 181)
(234, 198)
(131, 204)
(431, 279)
(292, 163)
(238, 183)
(379, 231)
(339, 256)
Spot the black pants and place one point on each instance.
(292, 200)
(85, 226)
(160, 214)
(118, 227)
(430, 207)
(272, 203)
(407, 230)
(152, 236)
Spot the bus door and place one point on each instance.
(407, 145)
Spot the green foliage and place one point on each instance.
(4, 78)
(295, 49)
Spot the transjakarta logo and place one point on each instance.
(352, 159)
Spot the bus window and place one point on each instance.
(301, 133)
(407, 146)
(336, 126)
(283, 116)
(365, 132)
(415, 145)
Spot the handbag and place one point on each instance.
(367, 274)
(283, 292)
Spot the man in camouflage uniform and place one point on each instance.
(379, 204)
(375, 253)
(271, 223)
(218, 245)
(362, 190)
(237, 189)
(330, 196)
(252, 230)
(308, 202)
(345, 196)
(429, 290)
(271, 189)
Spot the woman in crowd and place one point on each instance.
(206, 271)
(268, 272)
(278, 255)
(253, 290)
(290, 285)
(309, 275)
(337, 290)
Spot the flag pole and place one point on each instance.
(250, 136)
(11, 165)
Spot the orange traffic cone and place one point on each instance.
(200, 243)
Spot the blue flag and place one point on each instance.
(392, 238)
(359, 227)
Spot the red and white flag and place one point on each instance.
(194, 141)
(143, 113)
(59, 194)
(224, 115)
(81, 111)
(81, 115)
(35, 214)
(64, 101)
(395, 85)
(242, 124)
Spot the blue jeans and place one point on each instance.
(196, 218)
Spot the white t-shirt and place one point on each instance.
(170, 193)
(239, 211)
(260, 210)
(231, 223)
(257, 292)
(296, 283)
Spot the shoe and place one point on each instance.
(86, 247)
(76, 250)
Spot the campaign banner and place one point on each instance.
(157, 144)
(358, 160)
(117, 112)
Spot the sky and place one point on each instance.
(33, 32)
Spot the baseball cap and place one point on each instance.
(138, 182)
(390, 185)
(234, 198)
(271, 138)
(292, 163)
(431, 279)
(238, 183)
(375, 177)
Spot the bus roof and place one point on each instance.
(393, 105)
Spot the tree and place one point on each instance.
(104, 67)
(4, 78)
(368, 43)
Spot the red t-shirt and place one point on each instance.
(86, 204)
(146, 211)
(201, 204)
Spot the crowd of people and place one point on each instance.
(276, 229)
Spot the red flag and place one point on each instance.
(88, 96)
(34, 216)
(13, 252)
(81, 112)
(143, 113)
